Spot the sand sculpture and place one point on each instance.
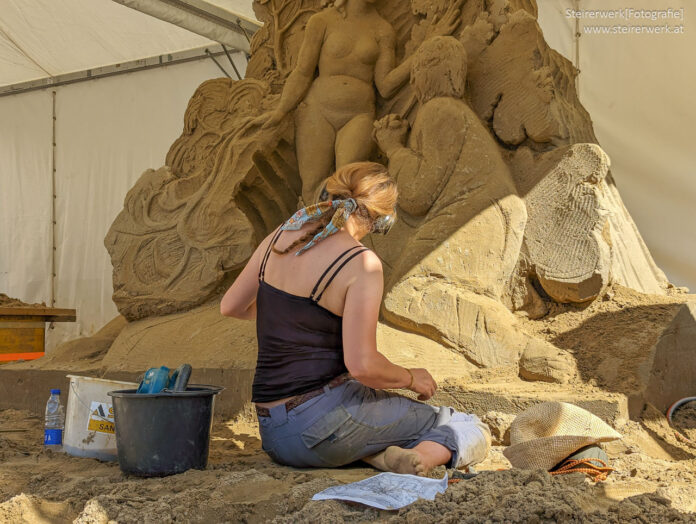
(506, 197)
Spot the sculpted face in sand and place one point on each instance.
(353, 48)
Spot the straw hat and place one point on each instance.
(545, 434)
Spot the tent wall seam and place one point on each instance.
(19, 48)
(576, 45)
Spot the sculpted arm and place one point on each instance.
(387, 77)
(302, 76)
(424, 166)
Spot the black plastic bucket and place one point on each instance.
(164, 433)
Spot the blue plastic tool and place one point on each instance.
(158, 379)
(155, 380)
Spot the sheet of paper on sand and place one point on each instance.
(386, 490)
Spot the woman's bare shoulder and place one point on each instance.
(369, 262)
(263, 245)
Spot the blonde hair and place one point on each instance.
(368, 183)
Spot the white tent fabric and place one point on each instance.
(40, 38)
(25, 195)
(639, 89)
(241, 7)
(199, 16)
(109, 130)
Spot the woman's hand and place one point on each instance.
(423, 383)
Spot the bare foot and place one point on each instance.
(400, 460)
(417, 461)
(376, 461)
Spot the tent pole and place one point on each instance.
(53, 203)
(576, 41)
(207, 52)
(236, 71)
(239, 23)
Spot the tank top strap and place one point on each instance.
(338, 269)
(264, 261)
(319, 280)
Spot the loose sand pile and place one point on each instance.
(653, 482)
(611, 336)
(7, 301)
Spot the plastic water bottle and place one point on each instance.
(54, 422)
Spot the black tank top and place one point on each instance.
(300, 342)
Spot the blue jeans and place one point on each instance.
(352, 421)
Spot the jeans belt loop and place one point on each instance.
(265, 412)
(278, 413)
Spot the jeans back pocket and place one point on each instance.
(324, 427)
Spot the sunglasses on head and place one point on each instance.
(383, 224)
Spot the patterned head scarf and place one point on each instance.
(343, 208)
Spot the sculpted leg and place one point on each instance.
(354, 141)
(314, 138)
(449, 281)
(474, 242)
(478, 327)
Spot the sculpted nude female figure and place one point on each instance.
(354, 49)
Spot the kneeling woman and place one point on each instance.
(319, 378)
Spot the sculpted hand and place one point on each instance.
(423, 383)
(269, 120)
(390, 132)
(445, 25)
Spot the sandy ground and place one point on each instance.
(654, 481)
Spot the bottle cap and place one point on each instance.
(55, 391)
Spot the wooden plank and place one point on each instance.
(21, 340)
(50, 314)
(22, 337)
(21, 323)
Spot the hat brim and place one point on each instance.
(546, 452)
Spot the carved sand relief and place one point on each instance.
(504, 195)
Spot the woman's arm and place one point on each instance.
(360, 314)
(239, 300)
